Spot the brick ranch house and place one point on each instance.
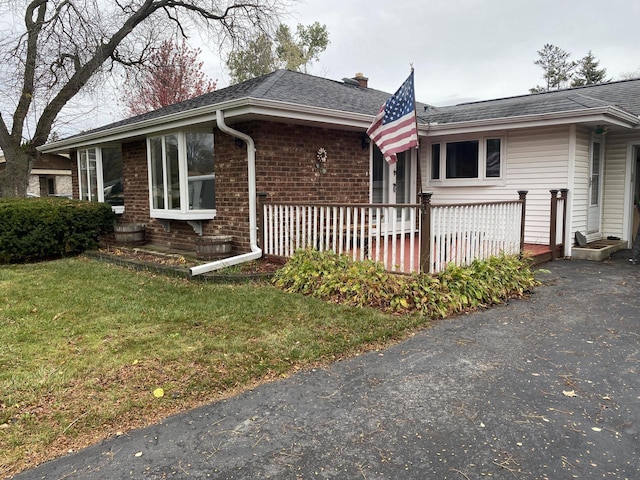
(193, 169)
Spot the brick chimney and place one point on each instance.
(361, 79)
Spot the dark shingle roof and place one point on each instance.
(281, 85)
(623, 94)
(306, 90)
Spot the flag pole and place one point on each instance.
(415, 109)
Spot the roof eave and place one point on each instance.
(247, 106)
(278, 110)
(606, 115)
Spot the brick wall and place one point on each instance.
(136, 195)
(285, 170)
(75, 192)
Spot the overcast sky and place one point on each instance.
(464, 49)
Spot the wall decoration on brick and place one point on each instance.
(321, 159)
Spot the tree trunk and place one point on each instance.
(14, 179)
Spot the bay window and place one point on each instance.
(467, 160)
(182, 178)
(100, 176)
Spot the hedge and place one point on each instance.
(34, 229)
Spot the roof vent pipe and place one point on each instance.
(256, 252)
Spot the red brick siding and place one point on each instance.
(136, 195)
(285, 170)
(75, 190)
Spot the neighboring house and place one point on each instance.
(186, 171)
(50, 176)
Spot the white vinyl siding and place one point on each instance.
(614, 182)
(535, 160)
(580, 190)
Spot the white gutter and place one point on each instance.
(256, 252)
(242, 106)
(608, 114)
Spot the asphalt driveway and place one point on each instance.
(546, 387)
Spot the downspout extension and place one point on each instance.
(256, 252)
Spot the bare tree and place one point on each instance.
(62, 47)
(632, 75)
(173, 74)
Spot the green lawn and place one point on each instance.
(84, 345)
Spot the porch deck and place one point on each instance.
(538, 254)
(541, 253)
(399, 253)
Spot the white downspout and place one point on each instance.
(256, 252)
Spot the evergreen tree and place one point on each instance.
(264, 55)
(588, 72)
(557, 68)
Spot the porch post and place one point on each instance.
(522, 195)
(553, 223)
(564, 192)
(425, 231)
(261, 197)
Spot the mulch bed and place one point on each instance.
(175, 264)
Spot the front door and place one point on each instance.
(596, 169)
(394, 184)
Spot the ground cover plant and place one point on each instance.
(337, 278)
(90, 350)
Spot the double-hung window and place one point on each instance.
(100, 176)
(182, 178)
(472, 159)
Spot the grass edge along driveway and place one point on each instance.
(89, 350)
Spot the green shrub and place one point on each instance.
(337, 278)
(40, 228)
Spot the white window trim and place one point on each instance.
(482, 179)
(184, 213)
(119, 209)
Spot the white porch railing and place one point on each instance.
(404, 237)
(461, 234)
(380, 232)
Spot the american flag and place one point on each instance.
(394, 129)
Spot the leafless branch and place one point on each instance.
(61, 48)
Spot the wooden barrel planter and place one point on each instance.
(129, 233)
(210, 247)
